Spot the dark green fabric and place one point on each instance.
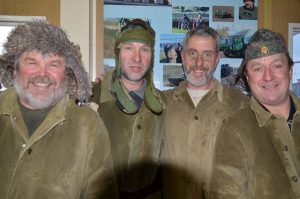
(68, 156)
(135, 30)
(190, 136)
(257, 156)
(136, 141)
(33, 118)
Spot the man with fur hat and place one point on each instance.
(50, 147)
(133, 111)
(195, 111)
(257, 152)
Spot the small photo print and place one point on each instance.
(223, 13)
(172, 75)
(170, 48)
(186, 18)
(109, 64)
(248, 11)
(229, 71)
(233, 39)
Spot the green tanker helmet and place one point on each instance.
(135, 30)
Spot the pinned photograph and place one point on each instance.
(186, 18)
(223, 13)
(139, 2)
(170, 48)
(173, 74)
(248, 11)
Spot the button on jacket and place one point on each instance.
(67, 157)
(136, 141)
(257, 156)
(190, 137)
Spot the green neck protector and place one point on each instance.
(126, 103)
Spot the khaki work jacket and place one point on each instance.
(190, 138)
(67, 157)
(257, 156)
(136, 141)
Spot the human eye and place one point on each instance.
(257, 68)
(277, 66)
(192, 54)
(30, 62)
(146, 49)
(54, 64)
(207, 55)
(127, 48)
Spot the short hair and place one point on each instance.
(202, 32)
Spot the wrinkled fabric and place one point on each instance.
(136, 141)
(67, 157)
(190, 138)
(257, 156)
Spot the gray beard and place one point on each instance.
(36, 103)
(195, 82)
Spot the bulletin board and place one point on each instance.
(171, 19)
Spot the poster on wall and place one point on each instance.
(234, 20)
(139, 2)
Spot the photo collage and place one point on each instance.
(234, 20)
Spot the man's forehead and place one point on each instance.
(270, 59)
(38, 54)
(136, 43)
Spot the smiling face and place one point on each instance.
(200, 59)
(135, 59)
(269, 79)
(40, 80)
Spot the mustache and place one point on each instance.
(42, 80)
(199, 67)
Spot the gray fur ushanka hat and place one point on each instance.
(47, 39)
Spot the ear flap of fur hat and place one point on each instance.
(46, 39)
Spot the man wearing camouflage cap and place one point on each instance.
(133, 111)
(257, 152)
(50, 147)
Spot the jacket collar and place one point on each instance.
(9, 106)
(106, 93)
(181, 91)
(262, 115)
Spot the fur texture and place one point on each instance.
(46, 38)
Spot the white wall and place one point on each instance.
(74, 19)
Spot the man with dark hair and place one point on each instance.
(248, 11)
(257, 151)
(50, 147)
(195, 111)
(133, 111)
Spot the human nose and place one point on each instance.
(199, 60)
(42, 69)
(268, 74)
(137, 55)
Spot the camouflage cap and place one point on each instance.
(264, 43)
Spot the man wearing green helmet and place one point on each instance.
(257, 155)
(132, 110)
